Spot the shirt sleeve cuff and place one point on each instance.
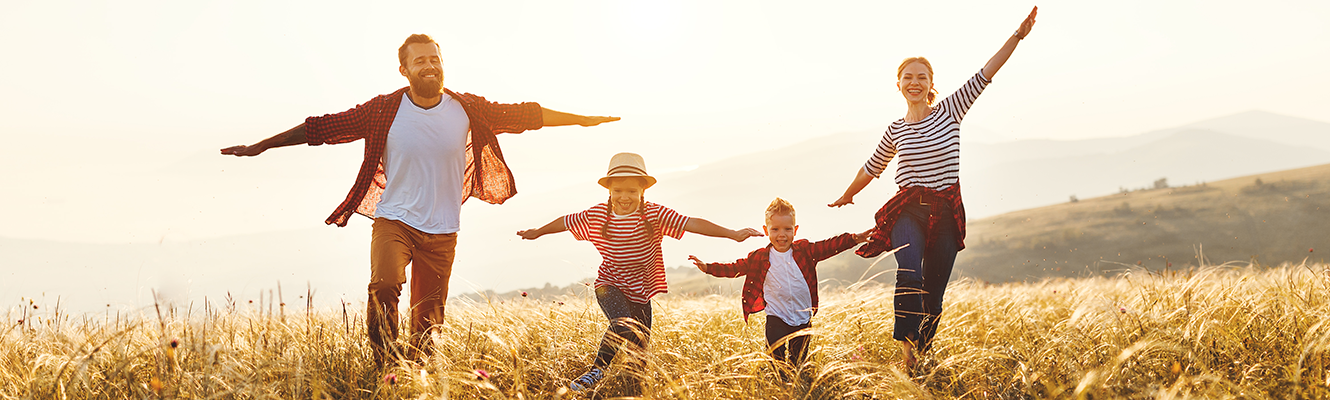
(313, 133)
(537, 120)
(870, 172)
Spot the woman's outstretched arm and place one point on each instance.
(995, 63)
(861, 180)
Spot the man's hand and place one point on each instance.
(698, 262)
(593, 121)
(243, 151)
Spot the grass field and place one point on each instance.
(1215, 332)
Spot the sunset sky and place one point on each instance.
(112, 112)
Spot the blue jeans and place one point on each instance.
(629, 322)
(922, 275)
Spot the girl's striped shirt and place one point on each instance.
(631, 261)
(929, 150)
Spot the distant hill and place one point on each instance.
(1267, 218)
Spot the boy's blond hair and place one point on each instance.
(779, 207)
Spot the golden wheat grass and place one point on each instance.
(1217, 332)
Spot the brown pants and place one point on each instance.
(393, 245)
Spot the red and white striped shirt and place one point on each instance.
(631, 261)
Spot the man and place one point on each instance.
(427, 149)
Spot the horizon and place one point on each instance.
(157, 87)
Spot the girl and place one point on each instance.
(627, 232)
(926, 215)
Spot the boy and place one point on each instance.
(782, 279)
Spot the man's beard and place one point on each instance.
(426, 87)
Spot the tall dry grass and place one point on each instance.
(1218, 332)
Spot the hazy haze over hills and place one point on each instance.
(997, 178)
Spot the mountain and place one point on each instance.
(998, 179)
(1267, 219)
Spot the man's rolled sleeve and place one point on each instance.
(513, 118)
(343, 127)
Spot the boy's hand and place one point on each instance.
(745, 233)
(529, 234)
(698, 262)
(864, 236)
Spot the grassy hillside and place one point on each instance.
(1247, 333)
(1268, 218)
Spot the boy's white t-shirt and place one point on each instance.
(424, 161)
(786, 291)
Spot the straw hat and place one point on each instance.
(626, 165)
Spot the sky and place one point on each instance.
(112, 112)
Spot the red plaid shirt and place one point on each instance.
(487, 176)
(886, 217)
(755, 266)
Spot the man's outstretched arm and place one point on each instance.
(556, 118)
(291, 137)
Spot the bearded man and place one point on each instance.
(427, 150)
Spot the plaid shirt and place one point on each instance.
(939, 202)
(487, 176)
(755, 266)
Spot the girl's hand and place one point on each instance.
(745, 233)
(1027, 24)
(864, 236)
(530, 234)
(698, 262)
(843, 200)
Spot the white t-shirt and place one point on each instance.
(424, 160)
(786, 291)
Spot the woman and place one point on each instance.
(926, 216)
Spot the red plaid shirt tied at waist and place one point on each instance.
(487, 176)
(940, 202)
(755, 266)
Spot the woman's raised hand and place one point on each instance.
(1027, 25)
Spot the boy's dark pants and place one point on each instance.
(922, 275)
(629, 322)
(794, 351)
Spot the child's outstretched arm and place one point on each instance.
(826, 248)
(554, 226)
(707, 228)
(723, 270)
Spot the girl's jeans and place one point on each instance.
(629, 321)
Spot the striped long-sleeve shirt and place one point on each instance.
(928, 151)
(630, 259)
